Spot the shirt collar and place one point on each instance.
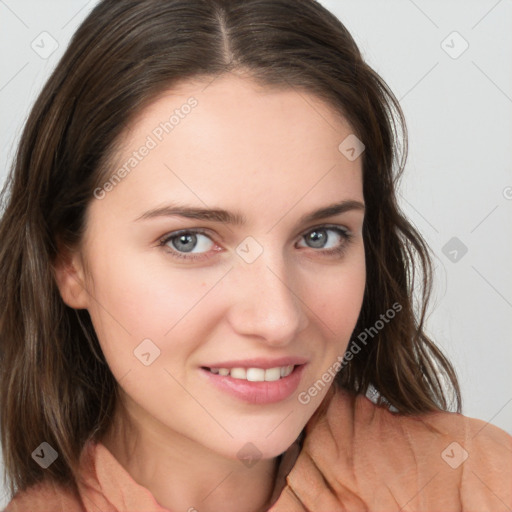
(105, 482)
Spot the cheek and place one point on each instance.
(337, 294)
(136, 300)
(146, 297)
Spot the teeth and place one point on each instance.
(286, 370)
(255, 374)
(272, 374)
(238, 373)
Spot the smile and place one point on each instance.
(255, 374)
(254, 385)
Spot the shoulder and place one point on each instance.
(45, 497)
(482, 437)
(444, 459)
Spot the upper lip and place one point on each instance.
(259, 362)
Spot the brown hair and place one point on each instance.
(55, 385)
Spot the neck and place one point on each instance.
(201, 479)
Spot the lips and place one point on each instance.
(256, 391)
(258, 362)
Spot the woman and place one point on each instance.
(207, 278)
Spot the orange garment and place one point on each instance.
(355, 456)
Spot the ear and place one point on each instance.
(70, 277)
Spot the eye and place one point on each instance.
(195, 244)
(329, 239)
(183, 243)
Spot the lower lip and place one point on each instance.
(257, 392)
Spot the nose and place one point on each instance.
(265, 301)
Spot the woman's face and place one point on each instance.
(171, 295)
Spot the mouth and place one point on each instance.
(254, 374)
(256, 385)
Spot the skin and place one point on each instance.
(273, 156)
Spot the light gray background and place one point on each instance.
(458, 180)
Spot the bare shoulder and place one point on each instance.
(45, 497)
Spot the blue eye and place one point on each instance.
(187, 241)
(319, 238)
(195, 244)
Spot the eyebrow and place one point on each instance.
(237, 219)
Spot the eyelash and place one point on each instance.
(336, 252)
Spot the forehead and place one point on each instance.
(230, 140)
(237, 106)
